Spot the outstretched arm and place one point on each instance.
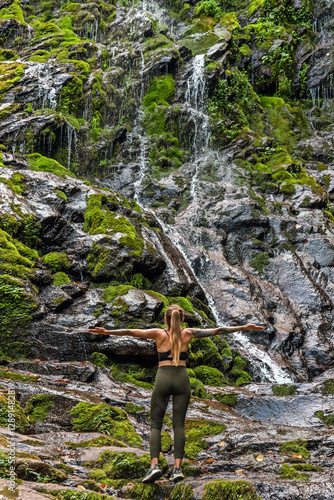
(223, 329)
(143, 334)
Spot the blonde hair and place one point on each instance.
(174, 318)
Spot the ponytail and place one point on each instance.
(174, 317)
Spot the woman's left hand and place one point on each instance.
(250, 326)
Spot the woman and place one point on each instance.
(171, 380)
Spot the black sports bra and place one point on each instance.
(167, 356)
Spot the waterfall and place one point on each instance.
(195, 105)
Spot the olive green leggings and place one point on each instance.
(170, 381)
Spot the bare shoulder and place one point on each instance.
(187, 333)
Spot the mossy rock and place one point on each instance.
(327, 420)
(56, 261)
(60, 278)
(7, 404)
(126, 465)
(79, 495)
(197, 388)
(142, 491)
(88, 417)
(166, 441)
(17, 259)
(229, 490)
(39, 472)
(209, 375)
(182, 491)
(229, 399)
(203, 352)
(99, 359)
(283, 389)
(290, 472)
(195, 430)
(44, 164)
(327, 387)
(238, 372)
(38, 407)
(298, 447)
(133, 409)
(5, 373)
(96, 443)
(138, 375)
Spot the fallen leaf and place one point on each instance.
(210, 460)
(240, 471)
(259, 458)
(269, 451)
(59, 449)
(104, 485)
(221, 443)
(296, 456)
(80, 487)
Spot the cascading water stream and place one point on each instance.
(196, 105)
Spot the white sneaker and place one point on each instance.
(152, 475)
(176, 475)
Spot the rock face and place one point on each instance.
(271, 440)
(168, 152)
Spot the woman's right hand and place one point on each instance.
(99, 330)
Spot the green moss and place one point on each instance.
(134, 374)
(16, 306)
(195, 430)
(229, 399)
(182, 302)
(259, 260)
(283, 389)
(208, 375)
(88, 417)
(38, 407)
(4, 373)
(61, 194)
(201, 43)
(33, 442)
(98, 475)
(203, 351)
(21, 421)
(191, 469)
(161, 91)
(197, 388)
(182, 491)
(99, 359)
(238, 373)
(15, 183)
(14, 11)
(125, 465)
(133, 409)
(44, 164)
(328, 387)
(289, 472)
(229, 490)
(111, 292)
(95, 443)
(99, 219)
(66, 468)
(56, 261)
(328, 420)
(16, 258)
(60, 279)
(297, 447)
(10, 74)
(78, 495)
(166, 442)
